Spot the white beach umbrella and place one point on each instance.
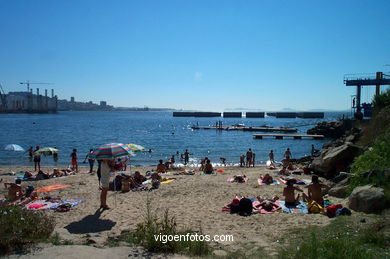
(13, 147)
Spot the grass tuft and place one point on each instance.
(20, 228)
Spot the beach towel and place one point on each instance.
(256, 203)
(167, 181)
(231, 179)
(301, 207)
(72, 202)
(260, 182)
(53, 187)
(41, 205)
(298, 181)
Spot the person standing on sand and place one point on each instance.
(37, 159)
(287, 154)
(186, 157)
(242, 160)
(271, 157)
(105, 169)
(253, 159)
(91, 161)
(249, 155)
(75, 165)
(55, 155)
(30, 153)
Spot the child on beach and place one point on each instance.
(242, 161)
(208, 168)
(73, 156)
(37, 159)
(289, 193)
(156, 180)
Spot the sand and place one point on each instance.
(195, 200)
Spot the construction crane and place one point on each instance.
(28, 83)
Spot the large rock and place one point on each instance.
(368, 199)
(340, 189)
(334, 160)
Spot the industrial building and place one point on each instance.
(28, 102)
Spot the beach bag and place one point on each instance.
(332, 209)
(125, 186)
(245, 207)
(314, 207)
(343, 211)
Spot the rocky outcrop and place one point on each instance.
(368, 199)
(333, 160)
(340, 190)
(330, 129)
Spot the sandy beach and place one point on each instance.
(195, 200)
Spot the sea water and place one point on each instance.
(164, 134)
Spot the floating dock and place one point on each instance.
(282, 136)
(196, 114)
(303, 115)
(232, 114)
(244, 128)
(254, 114)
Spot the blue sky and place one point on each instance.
(205, 55)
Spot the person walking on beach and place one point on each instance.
(73, 156)
(105, 170)
(91, 161)
(37, 159)
(253, 159)
(249, 155)
(186, 157)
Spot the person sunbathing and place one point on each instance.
(267, 179)
(57, 173)
(138, 178)
(161, 168)
(262, 199)
(208, 167)
(239, 178)
(315, 191)
(290, 166)
(289, 193)
(15, 190)
(268, 205)
(284, 171)
(41, 175)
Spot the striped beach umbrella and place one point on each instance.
(111, 150)
(135, 147)
(13, 147)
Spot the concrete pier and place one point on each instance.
(282, 136)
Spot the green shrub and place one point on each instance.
(146, 232)
(381, 101)
(343, 238)
(376, 158)
(19, 228)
